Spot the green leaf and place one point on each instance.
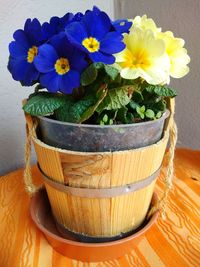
(98, 65)
(90, 111)
(112, 72)
(43, 103)
(105, 118)
(158, 115)
(111, 122)
(149, 113)
(141, 111)
(89, 75)
(116, 98)
(129, 117)
(150, 89)
(83, 109)
(160, 106)
(121, 114)
(77, 110)
(161, 91)
(133, 105)
(137, 96)
(63, 113)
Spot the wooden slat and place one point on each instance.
(138, 164)
(82, 170)
(49, 161)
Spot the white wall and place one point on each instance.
(183, 18)
(13, 14)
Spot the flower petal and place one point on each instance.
(78, 16)
(62, 45)
(31, 75)
(51, 81)
(96, 10)
(76, 33)
(178, 64)
(112, 43)
(17, 67)
(69, 81)
(77, 60)
(66, 50)
(49, 29)
(46, 58)
(122, 25)
(23, 71)
(33, 31)
(67, 18)
(97, 24)
(145, 23)
(17, 51)
(21, 38)
(157, 75)
(102, 57)
(130, 73)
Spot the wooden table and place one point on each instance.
(173, 242)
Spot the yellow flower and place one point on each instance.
(176, 53)
(144, 23)
(144, 56)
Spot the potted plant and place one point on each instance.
(97, 115)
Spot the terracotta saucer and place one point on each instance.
(89, 252)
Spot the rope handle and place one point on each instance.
(162, 203)
(28, 181)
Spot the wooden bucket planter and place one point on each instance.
(100, 194)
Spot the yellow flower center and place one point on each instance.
(138, 59)
(32, 52)
(62, 66)
(91, 44)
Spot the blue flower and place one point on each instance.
(93, 35)
(60, 64)
(56, 25)
(122, 25)
(23, 51)
(78, 16)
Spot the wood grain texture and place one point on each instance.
(100, 170)
(173, 242)
(102, 216)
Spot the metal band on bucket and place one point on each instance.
(100, 192)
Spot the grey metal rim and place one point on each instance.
(100, 192)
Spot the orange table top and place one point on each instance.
(173, 242)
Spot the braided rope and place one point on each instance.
(161, 204)
(29, 186)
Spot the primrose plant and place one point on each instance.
(87, 68)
